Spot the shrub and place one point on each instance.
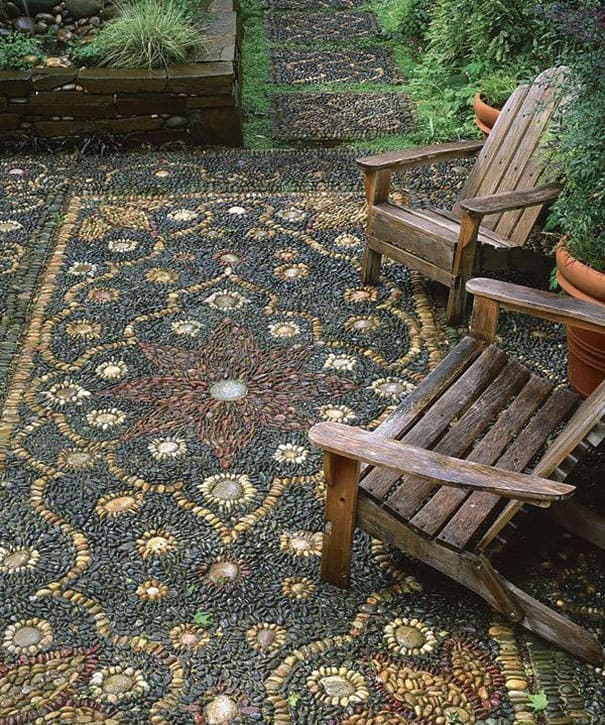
(148, 33)
(17, 46)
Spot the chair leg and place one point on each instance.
(342, 479)
(370, 270)
(456, 302)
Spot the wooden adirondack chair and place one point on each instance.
(498, 205)
(445, 469)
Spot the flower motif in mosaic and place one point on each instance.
(76, 459)
(284, 329)
(84, 329)
(363, 324)
(226, 299)
(182, 215)
(122, 245)
(167, 447)
(340, 361)
(338, 686)
(115, 504)
(9, 225)
(287, 255)
(226, 391)
(301, 543)
(363, 294)
(156, 543)
(227, 490)
(229, 257)
(160, 275)
(337, 413)
(187, 327)
(82, 269)
(266, 636)
(112, 369)
(105, 418)
(347, 241)
(224, 572)
(409, 637)
(188, 637)
(104, 295)
(117, 683)
(152, 590)
(292, 271)
(298, 587)
(15, 559)
(260, 235)
(391, 388)
(65, 393)
(290, 454)
(292, 215)
(28, 636)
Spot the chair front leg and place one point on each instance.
(464, 262)
(342, 480)
(377, 185)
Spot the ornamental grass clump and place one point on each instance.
(149, 34)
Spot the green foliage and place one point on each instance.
(408, 20)
(202, 619)
(14, 47)
(538, 702)
(85, 54)
(497, 87)
(255, 76)
(149, 34)
(580, 143)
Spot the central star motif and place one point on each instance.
(226, 391)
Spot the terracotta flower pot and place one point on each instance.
(485, 115)
(586, 350)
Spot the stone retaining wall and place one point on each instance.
(198, 103)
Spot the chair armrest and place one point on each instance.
(510, 200)
(420, 155)
(537, 303)
(372, 448)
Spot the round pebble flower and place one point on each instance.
(227, 490)
(290, 454)
(104, 295)
(116, 683)
(365, 294)
(347, 240)
(221, 710)
(66, 393)
(337, 413)
(363, 324)
(409, 637)
(82, 269)
(186, 327)
(392, 388)
(112, 369)
(292, 271)
(152, 590)
(182, 215)
(292, 215)
(15, 559)
(123, 245)
(76, 459)
(301, 543)
(167, 447)
(338, 686)
(84, 329)
(28, 636)
(224, 572)
(119, 503)
(226, 299)
(156, 543)
(9, 225)
(266, 636)
(227, 257)
(298, 587)
(284, 329)
(105, 418)
(339, 361)
(188, 637)
(162, 276)
(288, 255)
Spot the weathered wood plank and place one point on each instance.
(511, 200)
(421, 155)
(376, 246)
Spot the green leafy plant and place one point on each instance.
(85, 54)
(149, 34)
(15, 48)
(497, 87)
(202, 619)
(538, 702)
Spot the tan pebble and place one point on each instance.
(515, 684)
(524, 717)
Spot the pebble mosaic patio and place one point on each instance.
(160, 506)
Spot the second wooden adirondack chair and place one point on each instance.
(498, 205)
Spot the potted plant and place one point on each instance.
(493, 94)
(580, 210)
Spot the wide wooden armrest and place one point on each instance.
(420, 155)
(372, 448)
(510, 200)
(537, 303)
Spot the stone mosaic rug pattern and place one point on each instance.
(160, 506)
(302, 28)
(352, 115)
